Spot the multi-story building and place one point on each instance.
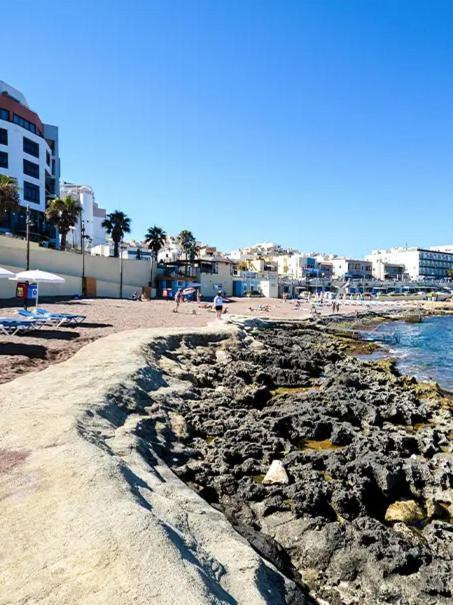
(419, 263)
(348, 268)
(92, 215)
(29, 153)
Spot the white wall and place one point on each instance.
(136, 274)
(269, 288)
(211, 281)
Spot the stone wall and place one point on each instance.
(106, 271)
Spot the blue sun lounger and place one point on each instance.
(70, 318)
(43, 319)
(11, 327)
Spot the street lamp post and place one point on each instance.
(121, 269)
(28, 224)
(83, 236)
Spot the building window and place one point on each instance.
(4, 114)
(47, 158)
(31, 193)
(3, 136)
(24, 123)
(31, 169)
(31, 147)
(3, 159)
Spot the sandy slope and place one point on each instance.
(85, 518)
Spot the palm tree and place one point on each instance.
(117, 224)
(155, 238)
(187, 241)
(9, 195)
(63, 213)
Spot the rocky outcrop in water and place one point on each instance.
(366, 514)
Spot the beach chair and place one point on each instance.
(70, 318)
(39, 319)
(11, 327)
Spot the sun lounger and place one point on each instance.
(71, 318)
(11, 327)
(48, 319)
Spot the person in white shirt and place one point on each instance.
(218, 305)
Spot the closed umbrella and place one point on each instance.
(40, 277)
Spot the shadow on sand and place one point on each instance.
(25, 350)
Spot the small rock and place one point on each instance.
(276, 474)
(406, 511)
(179, 425)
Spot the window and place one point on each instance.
(3, 159)
(3, 136)
(47, 158)
(31, 169)
(4, 114)
(24, 123)
(31, 193)
(31, 147)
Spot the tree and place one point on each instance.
(117, 224)
(155, 238)
(450, 273)
(188, 244)
(63, 213)
(9, 195)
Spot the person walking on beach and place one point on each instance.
(198, 296)
(218, 305)
(178, 298)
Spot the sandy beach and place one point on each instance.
(21, 354)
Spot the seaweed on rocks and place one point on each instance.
(366, 516)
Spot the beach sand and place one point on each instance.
(21, 354)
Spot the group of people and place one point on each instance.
(218, 302)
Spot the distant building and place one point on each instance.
(347, 268)
(384, 270)
(29, 153)
(210, 274)
(92, 215)
(419, 263)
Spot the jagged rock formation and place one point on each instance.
(367, 515)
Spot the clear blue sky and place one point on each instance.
(323, 125)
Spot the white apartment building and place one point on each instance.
(92, 215)
(170, 252)
(348, 268)
(29, 153)
(419, 263)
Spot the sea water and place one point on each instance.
(425, 349)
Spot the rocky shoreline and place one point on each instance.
(140, 471)
(364, 515)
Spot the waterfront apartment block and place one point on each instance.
(419, 263)
(347, 268)
(29, 153)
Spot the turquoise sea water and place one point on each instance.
(425, 350)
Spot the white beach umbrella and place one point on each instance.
(4, 273)
(40, 277)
